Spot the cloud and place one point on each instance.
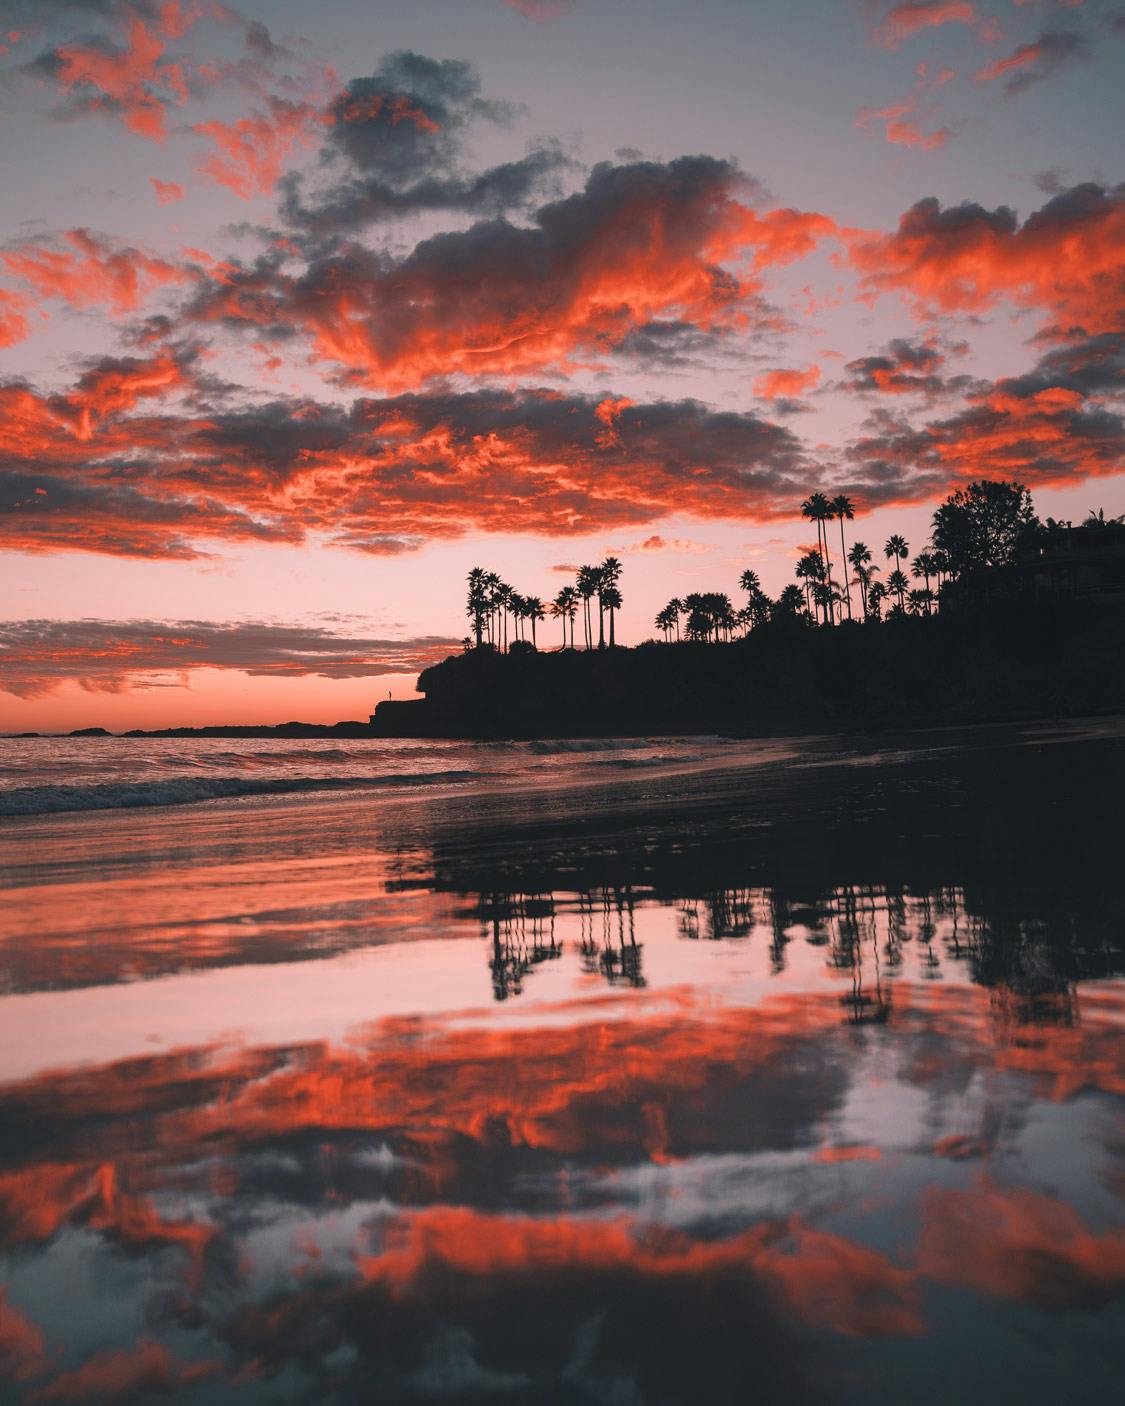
(899, 130)
(167, 192)
(1064, 260)
(250, 152)
(128, 77)
(542, 10)
(1031, 63)
(110, 656)
(904, 368)
(639, 243)
(399, 135)
(86, 270)
(1052, 426)
(786, 382)
(13, 324)
(903, 21)
(110, 467)
(148, 1368)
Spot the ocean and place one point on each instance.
(648, 1071)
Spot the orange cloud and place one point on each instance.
(639, 243)
(252, 150)
(149, 1368)
(91, 271)
(899, 130)
(167, 191)
(22, 1347)
(130, 82)
(781, 382)
(1064, 260)
(13, 323)
(905, 20)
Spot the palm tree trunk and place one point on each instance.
(612, 642)
(601, 624)
(844, 567)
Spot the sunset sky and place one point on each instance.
(306, 310)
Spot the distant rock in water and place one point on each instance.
(89, 732)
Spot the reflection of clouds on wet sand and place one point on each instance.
(679, 1110)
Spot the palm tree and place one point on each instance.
(898, 583)
(876, 595)
(789, 602)
(860, 556)
(1097, 518)
(843, 507)
(920, 601)
(818, 509)
(477, 605)
(563, 608)
(611, 599)
(666, 619)
(587, 586)
(749, 582)
(925, 566)
(533, 611)
(608, 586)
(896, 547)
(810, 570)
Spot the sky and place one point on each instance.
(306, 311)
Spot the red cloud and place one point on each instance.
(905, 20)
(91, 272)
(898, 130)
(252, 150)
(22, 1348)
(782, 382)
(147, 1369)
(167, 191)
(130, 82)
(13, 323)
(1065, 260)
(640, 243)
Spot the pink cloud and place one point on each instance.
(167, 192)
(906, 20)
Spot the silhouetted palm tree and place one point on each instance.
(477, 605)
(896, 547)
(611, 599)
(860, 557)
(924, 567)
(587, 586)
(843, 507)
(609, 576)
(533, 610)
(817, 508)
(564, 607)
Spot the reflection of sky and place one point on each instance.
(275, 1169)
(775, 87)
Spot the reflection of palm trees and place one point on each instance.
(617, 956)
(522, 930)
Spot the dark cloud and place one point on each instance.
(638, 244)
(110, 467)
(903, 368)
(1054, 425)
(1063, 261)
(107, 656)
(1032, 63)
(400, 134)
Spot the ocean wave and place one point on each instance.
(186, 790)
